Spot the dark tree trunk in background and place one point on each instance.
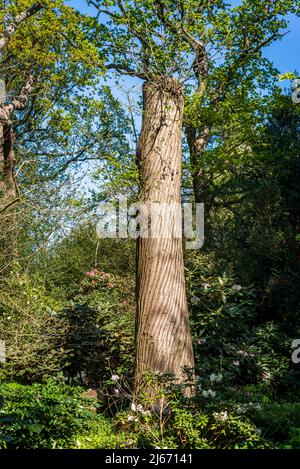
(8, 187)
(8, 196)
(7, 164)
(197, 144)
(202, 188)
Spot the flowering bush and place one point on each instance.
(171, 420)
(96, 279)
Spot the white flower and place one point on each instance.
(243, 353)
(201, 341)
(215, 378)
(252, 405)
(139, 408)
(208, 393)
(116, 391)
(237, 287)
(243, 408)
(131, 418)
(221, 415)
(133, 407)
(115, 378)
(195, 299)
(236, 363)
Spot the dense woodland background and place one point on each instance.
(70, 118)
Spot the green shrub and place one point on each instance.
(229, 335)
(294, 439)
(45, 415)
(33, 328)
(277, 419)
(100, 337)
(171, 420)
(62, 266)
(98, 434)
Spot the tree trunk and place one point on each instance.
(197, 143)
(7, 165)
(8, 192)
(163, 339)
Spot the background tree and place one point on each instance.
(57, 115)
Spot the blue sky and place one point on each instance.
(286, 53)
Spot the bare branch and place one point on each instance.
(126, 70)
(10, 204)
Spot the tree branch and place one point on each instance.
(18, 103)
(241, 60)
(9, 205)
(5, 37)
(126, 70)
